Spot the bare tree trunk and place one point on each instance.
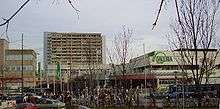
(194, 39)
(194, 36)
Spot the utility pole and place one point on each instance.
(61, 79)
(183, 91)
(54, 85)
(175, 73)
(145, 81)
(40, 75)
(98, 69)
(68, 78)
(22, 64)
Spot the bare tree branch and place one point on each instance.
(195, 33)
(6, 21)
(122, 50)
(76, 10)
(158, 14)
(13, 15)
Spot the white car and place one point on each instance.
(44, 103)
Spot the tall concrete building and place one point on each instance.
(73, 50)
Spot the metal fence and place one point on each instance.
(192, 102)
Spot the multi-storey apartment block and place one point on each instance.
(79, 51)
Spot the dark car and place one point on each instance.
(26, 106)
(19, 99)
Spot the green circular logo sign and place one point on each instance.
(160, 58)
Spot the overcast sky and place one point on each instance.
(105, 16)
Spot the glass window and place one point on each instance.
(13, 68)
(24, 68)
(18, 68)
(29, 68)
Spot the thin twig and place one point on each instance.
(6, 31)
(6, 21)
(53, 2)
(77, 11)
(158, 14)
(13, 15)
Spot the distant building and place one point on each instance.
(76, 52)
(3, 46)
(13, 63)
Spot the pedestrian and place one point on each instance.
(67, 100)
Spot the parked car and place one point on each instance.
(19, 99)
(26, 106)
(44, 103)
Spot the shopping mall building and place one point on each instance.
(162, 68)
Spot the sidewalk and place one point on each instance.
(9, 108)
(83, 107)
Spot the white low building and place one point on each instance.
(168, 67)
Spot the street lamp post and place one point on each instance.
(22, 65)
(145, 81)
(68, 79)
(39, 75)
(175, 73)
(183, 91)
